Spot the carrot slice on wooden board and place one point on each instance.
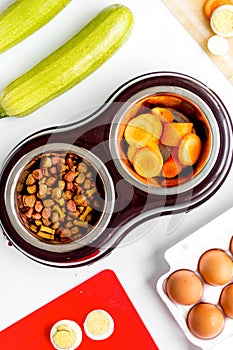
(173, 133)
(189, 149)
(171, 168)
(211, 5)
(141, 129)
(163, 114)
(147, 162)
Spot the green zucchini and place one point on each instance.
(24, 17)
(69, 64)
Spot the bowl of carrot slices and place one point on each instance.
(166, 137)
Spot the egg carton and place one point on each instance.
(185, 255)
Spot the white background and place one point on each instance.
(158, 43)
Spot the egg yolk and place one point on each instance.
(64, 337)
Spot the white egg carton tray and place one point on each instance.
(185, 255)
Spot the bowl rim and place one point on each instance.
(163, 89)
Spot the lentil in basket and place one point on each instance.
(60, 197)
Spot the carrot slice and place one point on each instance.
(147, 162)
(173, 133)
(167, 101)
(211, 5)
(153, 143)
(131, 153)
(189, 149)
(163, 114)
(171, 168)
(142, 129)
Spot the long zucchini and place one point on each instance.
(68, 65)
(24, 17)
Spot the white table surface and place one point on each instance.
(158, 43)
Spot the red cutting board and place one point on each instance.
(103, 291)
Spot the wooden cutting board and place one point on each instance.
(102, 291)
(190, 14)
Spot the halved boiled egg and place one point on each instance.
(98, 325)
(66, 335)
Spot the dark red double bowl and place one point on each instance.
(129, 199)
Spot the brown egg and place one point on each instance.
(216, 267)
(226, 300)
(231, 246)
(205, 320)
(184, 287)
